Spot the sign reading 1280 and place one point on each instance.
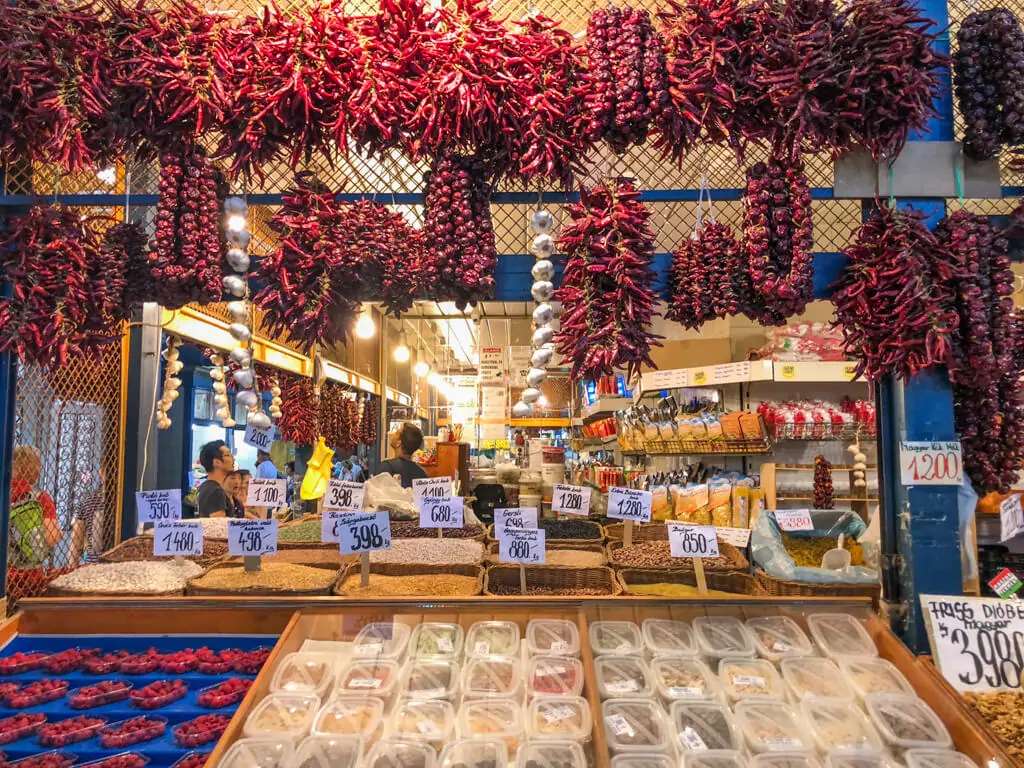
(570, 499)
(629, 504)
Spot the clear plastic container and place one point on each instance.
(55, 758)
(621, 638)
(69, 731)
(368, 677)
(431, 721)
(771, 726)
(722, 636)
(722, 758)
(382, 640)
(852, 760)
(937, 758)
(704, 725)
(493, 638)
(906, 722)
(679, 678)
(304, 673)
(779, 637)
(492, 718)
(815, 676)
(839, 725)
(350, 716)
(868, 676)
(622, 676)
(841, 636)
(282, 716)
(121, 760)
(435, 640)
(631, 760)
(258, 753)
(784, 760)
(327, 752)
(750, 678)
(559, 718)
(551, 754)
(430, 679)
(492, 677)
(554, 676)
(91, 696)
(635, 725)
(554, 637)
(663, 637)
(399, 753)
(473, 753)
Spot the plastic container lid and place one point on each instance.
(304, 673)
(868, 676)
(679, 678)
(474, 753)
(779, 637)
(436, 640)
(839, 725)
(721, 636)
(283, 716)
(327, 752)
(492, 718)
(349, 716)
(491, 677)
(554, 676)
(631, 760)
(851, 760)
(619, 676)
(750, 678)
(815, 676)
(668, 638)
(400, 753)
(722, 758)
(431, 720)
(905, 722)
(635, 725)
(258, 753)
(552, 754)
(841, 636)
(554, 637)
(382, 639)
(430, 679)
(704, 725)
(368, 677)
(493, 638)
(937, 758)
(771, 726)
(621, 638)
(560, 718)
(784, 760)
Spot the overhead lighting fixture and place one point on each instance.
(365, 327)
(422, 367)
(402, 350)
(434, 379)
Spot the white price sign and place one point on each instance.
(521, 546)
(259, 438)
(514, 517)
(794, 519)
(364, 533)
(931, 463)
(249, 538)
(331, 522)
(629, 504)
(431, 487)
(976, 641)
(344, 496)
(1011, 519)
(445, 512)
(176, 538)
(158, 506)
(266, 493)
(571, 499)
(693, 540)
(738, 537)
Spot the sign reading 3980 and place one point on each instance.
(364, 533)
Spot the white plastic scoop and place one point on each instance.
(838, 558)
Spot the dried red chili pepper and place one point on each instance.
(368, 425)
(127, 244)
(701, 284)
(824, 491)
(298, 422)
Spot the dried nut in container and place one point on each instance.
(1003, 712)
(132, 576)
(743, 678)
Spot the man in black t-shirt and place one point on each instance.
(405, 442)
(212, 500)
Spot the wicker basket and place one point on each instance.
(315, 557)
(405, 569)
(737, 562)
(491, 555)
(53, 591)
(554, 580)
(552, 542)
(644, 532)
(785, 588)
(192, 588)
(431, 533)
(315, 544)
(723, 581)
(141, 548)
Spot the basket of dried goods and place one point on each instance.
(577, 531)
(271, 579)
(677, 583)
(316, 558)
(551, 580)
(559, 553)
(406, 580)
(787, 588)
(409, 529)
(430, 552)
(650, 532)
(657, 554)
(141, 548)
(302, 534)
(128, 579)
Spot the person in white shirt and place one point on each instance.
(265, 468)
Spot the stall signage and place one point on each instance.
(445, 512)
(344, 496)
(931, 463)
(250, 538)
(517, 545)
(331, 522)
(1011, 518)
(514, 517)
(693, 540)
(794, 519)
(571, 499)
(158, 506)
(1006, 584)
(492, 365)
(738, 537)
(259, 438)
(629, 504)
(174, 538)
(977, 642)
(265, 492)
(365, 533)
(435, 487)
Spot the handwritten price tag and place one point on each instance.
(794, 519)
(175, 538)
(432, 487)
(931, 463)
(364, 533)
(1011, 518)
(344, 496)
(445, 512)
(693, 540)
(738, 537)
(265, 493)
(331, 522)
(248, 538)
(514, 517)
(259, 438)
(158, 506)
(571, 500)
(521, 546)
(629, 504)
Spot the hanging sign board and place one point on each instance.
(259, 438)
(492, 365)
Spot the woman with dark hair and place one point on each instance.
(405, 442)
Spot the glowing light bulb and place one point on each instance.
(365, 327)
(236, 223)
(422, 368)
(434, 379)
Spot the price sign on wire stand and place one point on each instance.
(344, 495)
(158, 506)
(443, 512)
(514, 517)
(431, 487)
(364, 533)
(523, 546)
(252, 538)
(794, 519)
(571, 500)
(331, 522)
(260, 439)
(266, 493)
(931, 463)
(175, 538)
(629, 504)
(693, 540)
(1011, 519)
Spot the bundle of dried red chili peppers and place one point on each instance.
(606, 289)
(701, 283)
(128, 244)
(298, 422)
(824, 491)
(336, 418)
(368, 420)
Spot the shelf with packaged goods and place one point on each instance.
(748, 372)
(605, 406)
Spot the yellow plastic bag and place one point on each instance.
(318, 472)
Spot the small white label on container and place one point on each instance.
(445, 644)
(559, 646)
(428, 728)
(783, 742)
(364, 682)
(370, 649)
(681, 693)
(557, 714)
(482, 648)
(619, 725)
(622, 686)
(692, 740)
(751, 681)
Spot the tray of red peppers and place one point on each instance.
(159, 694)
(135, 730)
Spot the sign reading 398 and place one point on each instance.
(364, 533)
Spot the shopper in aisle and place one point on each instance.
(289, 478)
(212, 500)
(405, 442)
(265, 468)
(241, 493)
(34, 530)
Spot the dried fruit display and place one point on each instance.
(606, 288)
(298, 422)
(338, 417)
(68, 660)
(159, 694)
(126, 243)
(701, 284)
(368, 428)
(824, 491)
